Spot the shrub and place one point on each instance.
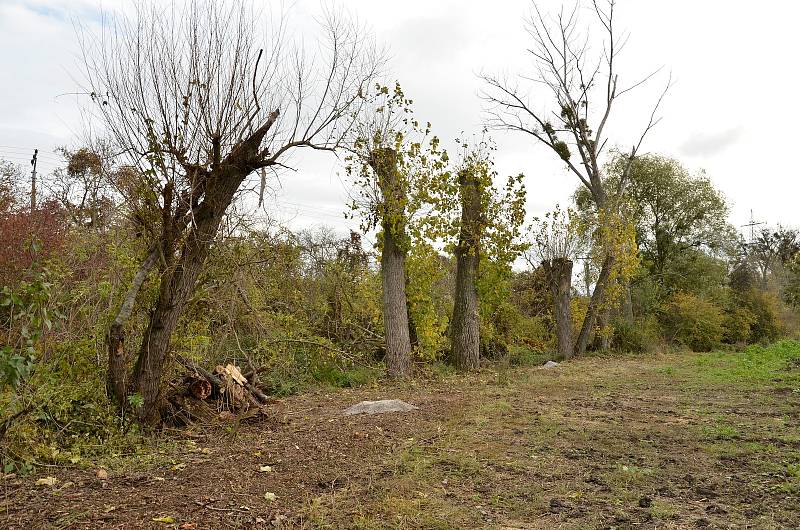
(738, 324)
(693, 322)
(429, 301)
(765, 308)
(65, 416)
(639, 336)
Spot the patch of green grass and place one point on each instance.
(721, 431)
(756, 364)
(499, 407)
(662, 511)
(791, 483)
(524, 356)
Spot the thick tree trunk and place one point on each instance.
(393, 263)
(595, 302)
(395, 311)
(465, 326)
(175, 290)
(559, 272)
(177, 285)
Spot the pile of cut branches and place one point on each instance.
(225, 393)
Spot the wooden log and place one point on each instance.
(200, 388)
(260, 396)
(217, 386)
(215, 381)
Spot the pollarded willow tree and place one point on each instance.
(392, 156)
(583, 89)
(198, 97)
(557, 242)
(476, 221)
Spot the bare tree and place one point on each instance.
(199, 96)
(571, 76)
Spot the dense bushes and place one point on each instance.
(640, 336)
(765, 310)
(306, 308)
(693, 322)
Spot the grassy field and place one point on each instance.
(668, 441)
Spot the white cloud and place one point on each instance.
(729, 59)
(710, 144)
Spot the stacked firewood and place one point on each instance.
(222, 394)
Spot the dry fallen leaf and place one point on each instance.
(265, 469)
(270, 496)
(47, 481)
(102, 474)
(188, 526)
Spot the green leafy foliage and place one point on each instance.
(640, 336)
(429, 300)
(26, 315)
(693, 321)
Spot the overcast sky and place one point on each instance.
(733, 110)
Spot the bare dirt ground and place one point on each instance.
(674, 441)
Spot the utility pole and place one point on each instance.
(33, 179)
(752, 224)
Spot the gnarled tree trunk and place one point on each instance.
(465, 326)
(559, 274)
(220, 184)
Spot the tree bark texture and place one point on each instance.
(393, 264)
(559, 273)
(465, 325)
(627, 303)
(117, 377)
